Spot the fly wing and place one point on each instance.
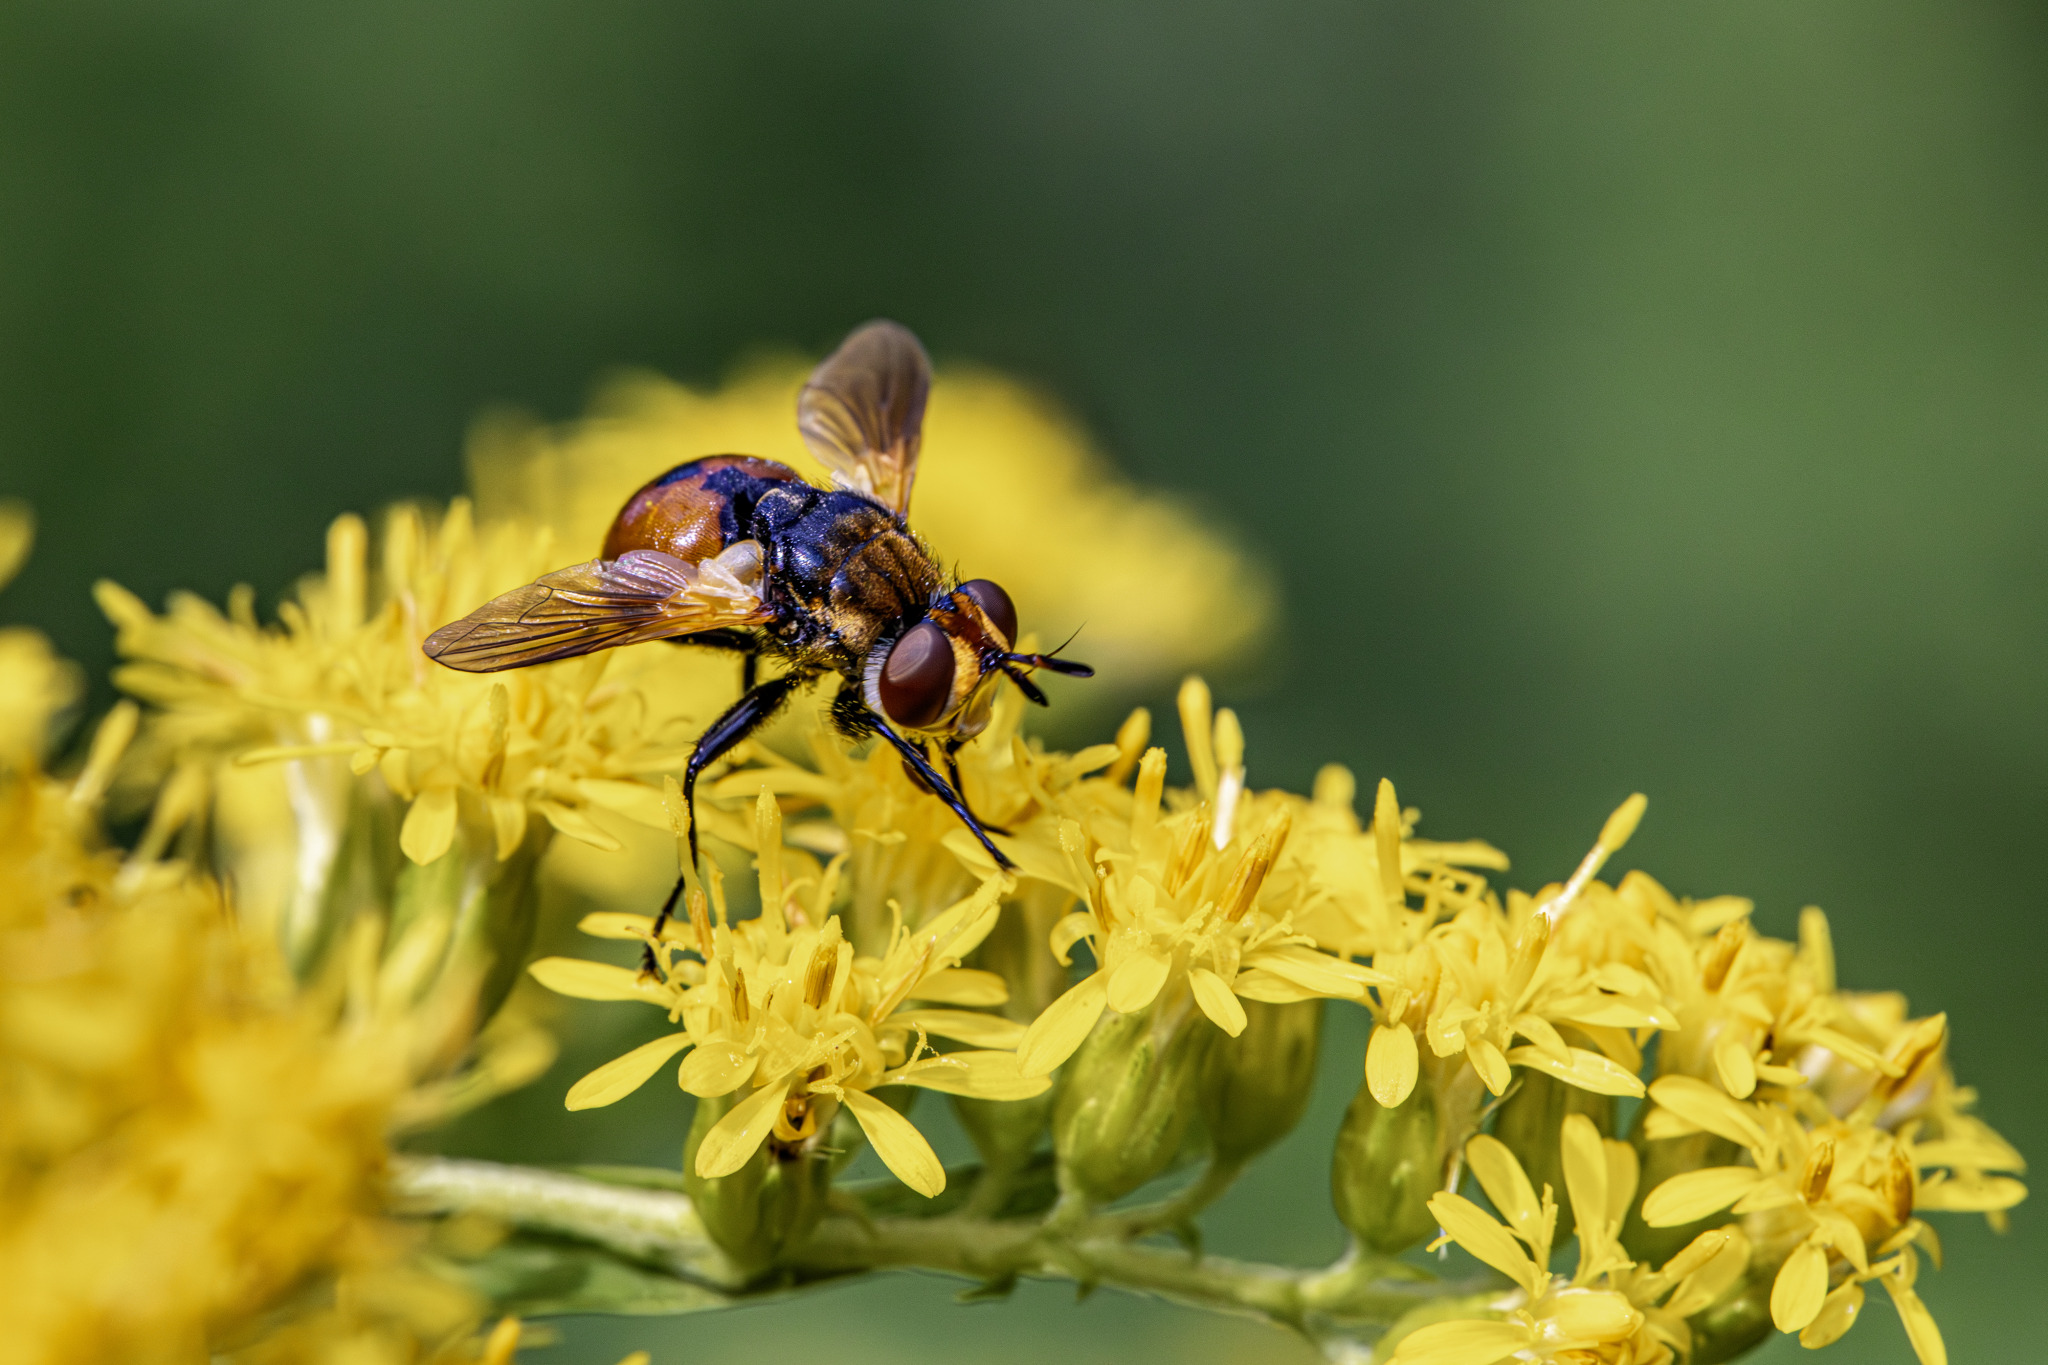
(641, 595)
(862, 414)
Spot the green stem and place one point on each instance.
(660, 1228)
(655, 1227)
(1177, 1213)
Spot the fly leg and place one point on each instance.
(740, 720)
(855, 718)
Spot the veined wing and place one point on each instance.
(641, 595)
(862, 413)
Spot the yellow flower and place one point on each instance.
(193, 1152)
(1195, 898)
(1472, 986)
(782, 1004)
(1747, 1007)
(35, 684)
(1007, 483)
(1610, 1311)
(1825, 1199)
(1356, 908)
(316, 740)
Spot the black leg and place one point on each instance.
(953, 771)
(741, 719)
(922, 766)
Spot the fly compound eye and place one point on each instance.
(997, 605)
(917, 677)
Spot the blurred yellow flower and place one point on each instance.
(35, 684)
(193, 1153)
(1009, 487)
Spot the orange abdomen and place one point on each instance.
(684, 512)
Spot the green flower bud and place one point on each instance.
(469, 914)
(1387, 1164)
(1005, 1132)
(1254, 1087)
(1735, 1323)
(1530, 1122)
(765, 1206)
(1126, 1099)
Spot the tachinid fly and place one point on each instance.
(741, 554)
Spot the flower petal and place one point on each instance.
(716, 1068)
(1987, 1194)
(1472, 1341)
(1710, 1264)
(1217, 1001)
(1069, 931)
(636, 801)
(1837, 1315)
(1471, 1228)
(1491, 1066)
(586, 980)
(964, 1026)
(1595, 1315)
(1505, 1183)
(1056, 1034)
(1920, 1328)
(1136, 981)
(1585, 1179)
(1706, 1106)
(734, 1139)
(621, 1076)
(1540, 1034)
(961, 986)
(508, 823)
(617, 924)
(1587, 1070)
(1693, 1195)
(579, 826)
(1319, 972)
(1391, 1063)
(899, 1144)
(981, 1075)
(1801, 1287)
(429, 825)
(1735, 1067)
(1273, 990)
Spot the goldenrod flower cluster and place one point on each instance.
(1807, 1128)
(1838, 1121)
(209, 1051)
(781, 1008)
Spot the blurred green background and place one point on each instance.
(1628, 397)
